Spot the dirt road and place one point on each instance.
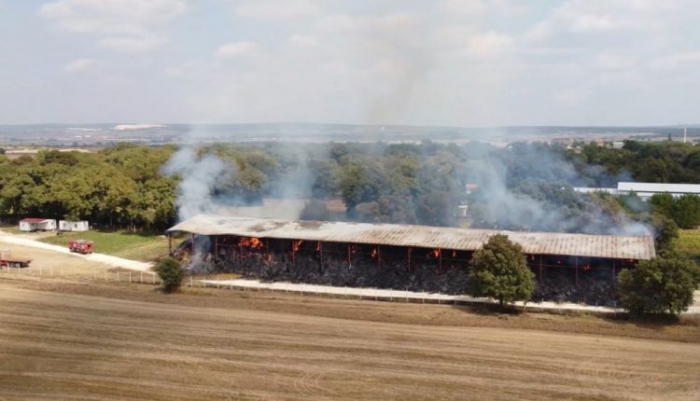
(60, 345)
(28, 245)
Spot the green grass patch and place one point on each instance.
(123, 244)
(688, 243)
(13, 229)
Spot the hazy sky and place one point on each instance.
(441, 62)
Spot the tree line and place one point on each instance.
(422, 183)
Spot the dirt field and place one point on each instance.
(75, 338)
(88, 347)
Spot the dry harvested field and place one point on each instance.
(58, 344)
(70, 338)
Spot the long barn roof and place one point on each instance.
(601, 246)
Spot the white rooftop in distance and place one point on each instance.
(659, 188)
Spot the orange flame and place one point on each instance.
(269, 258)
(454, 254)
(374, 252)
(436, 253)
(253, 243)
(318, 246)
(297, 244)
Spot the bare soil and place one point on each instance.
(46, 263)
(77, 338)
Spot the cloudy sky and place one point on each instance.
(430, 62)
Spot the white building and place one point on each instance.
(587, 190)
(646, 190)
(65, 225)
(37, 224)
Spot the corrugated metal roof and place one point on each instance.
(602, 246)
(33, 220)
(659, 188)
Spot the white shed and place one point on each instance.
(37, 224)
(65, 225)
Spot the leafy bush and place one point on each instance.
(499, 270)
(658, 286)
(665, 233)
(170, 273)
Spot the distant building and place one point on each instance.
(588, 190)
(37, 224)
(618, 145)
(65, 225)
(646, 190)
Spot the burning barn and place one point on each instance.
(568, 267)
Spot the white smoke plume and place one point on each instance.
(526, 191)
(200, 176)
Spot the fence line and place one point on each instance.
(131, 277)
(391, 295)
(118, 275)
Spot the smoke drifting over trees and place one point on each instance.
(200, 177)
(520, 187)
(525, 186)
(530, 187)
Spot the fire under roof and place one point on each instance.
(533, 243)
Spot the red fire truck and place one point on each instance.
(81, 246)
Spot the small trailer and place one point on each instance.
(7, 260)
(81, 246)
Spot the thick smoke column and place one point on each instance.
(200, 176)
(530, 189)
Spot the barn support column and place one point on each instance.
(170, 244)
(294, 254)
(540, 268)
(613, 276)
(576, 258)
(320, 255)
(440, 259)
(349, 256)
(409, 251)
(240, 249)
(216, 245)
(379, 258)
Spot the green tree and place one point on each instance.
(662, 204)
(171, 274)
(665, 232)
(658, 286)
(499, 270)
(686, 211)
